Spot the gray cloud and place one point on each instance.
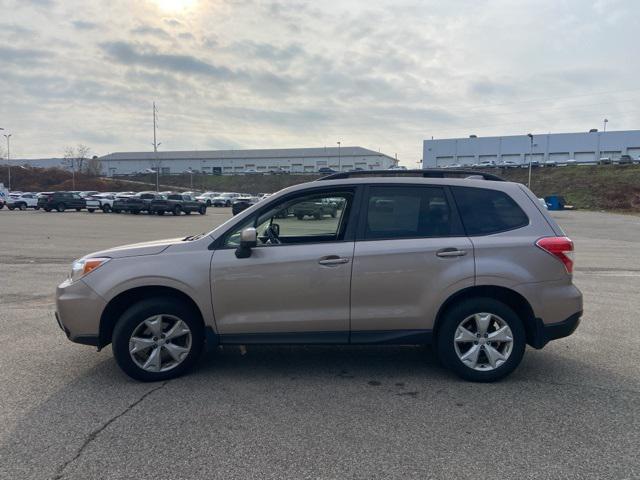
(84, 25)
(28, 56)
(149, 30)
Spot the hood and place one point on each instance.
(137, 249)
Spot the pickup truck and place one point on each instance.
(140, 202)
(177, 203)
(316, 209)
(22, 201)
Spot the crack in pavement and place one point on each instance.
(60, 471)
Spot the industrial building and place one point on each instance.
(289, 160)
(584, 147)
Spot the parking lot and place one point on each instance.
(571, 410)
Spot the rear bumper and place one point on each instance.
(544, 333)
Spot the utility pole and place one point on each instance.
(605, 125)
(339, 158)
(155, 147)
(8, 136)
(530, 135)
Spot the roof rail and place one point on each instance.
(425, 173)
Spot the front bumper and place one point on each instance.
(78, 311)
(545, 332)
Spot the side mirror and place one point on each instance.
(248, 240)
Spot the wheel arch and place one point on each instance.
(509, 297)
(119, 304)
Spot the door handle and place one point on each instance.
(450, 252)
(333, 260)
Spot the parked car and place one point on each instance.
(22, 201)
(140, 202)
(62, 201)
(242, 203)
(224, 199)
(326, 170)
(207, 197)
(177, 203)
(315, 208)
(105, 200)
(625, 160)
(397, 167)
(509, 164)
(605, 161)
(473, 266)
(551, 163)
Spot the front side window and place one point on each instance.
(311, 218)
(407, 212)
(485, 211)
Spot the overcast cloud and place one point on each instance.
(260, 74)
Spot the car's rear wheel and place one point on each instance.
(158, 339)
(22, 206)
(91, 210)
(61, 207)
(481, 339)
(106, 208)
(177, 210)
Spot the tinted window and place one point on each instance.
(407, 212)
(174, 197)
(488, 211)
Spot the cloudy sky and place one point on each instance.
(382, 74)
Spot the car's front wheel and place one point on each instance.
(106, 208)
(158, 339)
(481, 339)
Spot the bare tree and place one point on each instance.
(82, 155)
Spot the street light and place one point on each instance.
(605, 125)
(157, 172)
(190, 172)
(530, 135)
(8, 136)
(339, 158)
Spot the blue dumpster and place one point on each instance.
(555, 202)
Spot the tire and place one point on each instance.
(106, 208)
(187, 212)
(91, 210)
(484, 372)
(135, 212)
(132, 322)
(47, 209)
(202, 210)
(11, 208)
(78, 209)
(177, 210)
(22, 206)
(35, 208)
(299, 217)
(160, 212)
(61, 207)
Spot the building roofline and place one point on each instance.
(534, 134)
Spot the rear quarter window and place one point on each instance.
(485, 211)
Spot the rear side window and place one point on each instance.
(407, 212)
(484, 211)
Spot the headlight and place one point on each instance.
(80, 268)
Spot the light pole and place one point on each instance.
(8, 137)
(157, 172)
(605, 125)
(530, 135)
(339, 158)
(190, 172)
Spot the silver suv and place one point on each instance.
(473, 265)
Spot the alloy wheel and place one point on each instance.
(160, 343)
(483, 341)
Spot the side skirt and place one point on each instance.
(373, 337)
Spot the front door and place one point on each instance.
(294, 287)
(411, 253)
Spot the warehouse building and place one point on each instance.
(226, 162)
(585, 147)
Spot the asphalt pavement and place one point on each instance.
(571, 410)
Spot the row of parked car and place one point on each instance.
(623, 160)
(129, 202)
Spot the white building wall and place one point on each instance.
(580, 146)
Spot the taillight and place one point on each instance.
(559, 247)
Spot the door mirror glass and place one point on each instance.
(248, 240)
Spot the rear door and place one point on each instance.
(410, 255)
